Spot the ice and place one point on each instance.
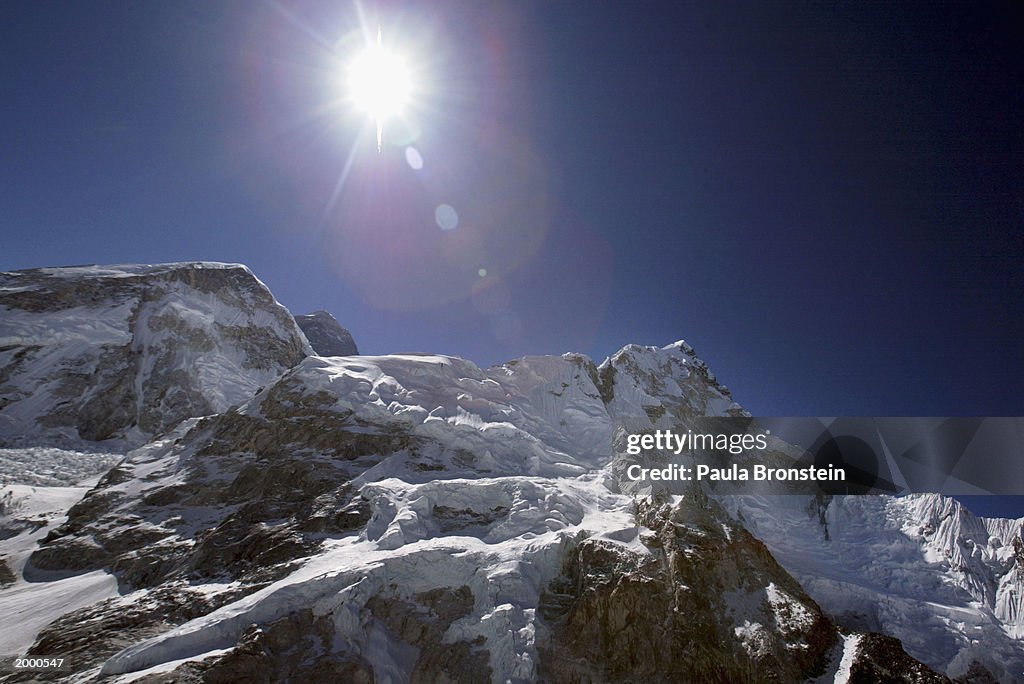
(43, 466)
(506, 563)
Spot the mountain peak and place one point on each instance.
(326, 335)
(667, 384)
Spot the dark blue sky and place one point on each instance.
(828, 203)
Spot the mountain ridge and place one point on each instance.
(414, 517)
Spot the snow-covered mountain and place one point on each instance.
(126, 352)
(417, 518)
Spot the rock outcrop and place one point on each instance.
(708, 603)
(326, 335)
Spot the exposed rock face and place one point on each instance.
(88, 635)
(127, 352)
(421, 621)
(709, 604)
(6, 576)
(232, 498)
(296, 647)
(880, 658)
(325, 335)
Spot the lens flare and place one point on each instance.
(446, 217)
(413, 158)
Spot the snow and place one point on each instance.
(851, 642)
(522, 456)
(31, 512)
(27, 607)
(843, 658)
(754, 637)
(542, 439)
(134, 270)
(506, 565)
(168, 666)
(222, 370)
(540, 416)
(791, 616)
(79, 328)
(671, 377)
(921, 568)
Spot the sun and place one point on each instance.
(379, 84)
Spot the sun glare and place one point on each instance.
(378, 84)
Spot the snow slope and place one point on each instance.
(27, 514)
